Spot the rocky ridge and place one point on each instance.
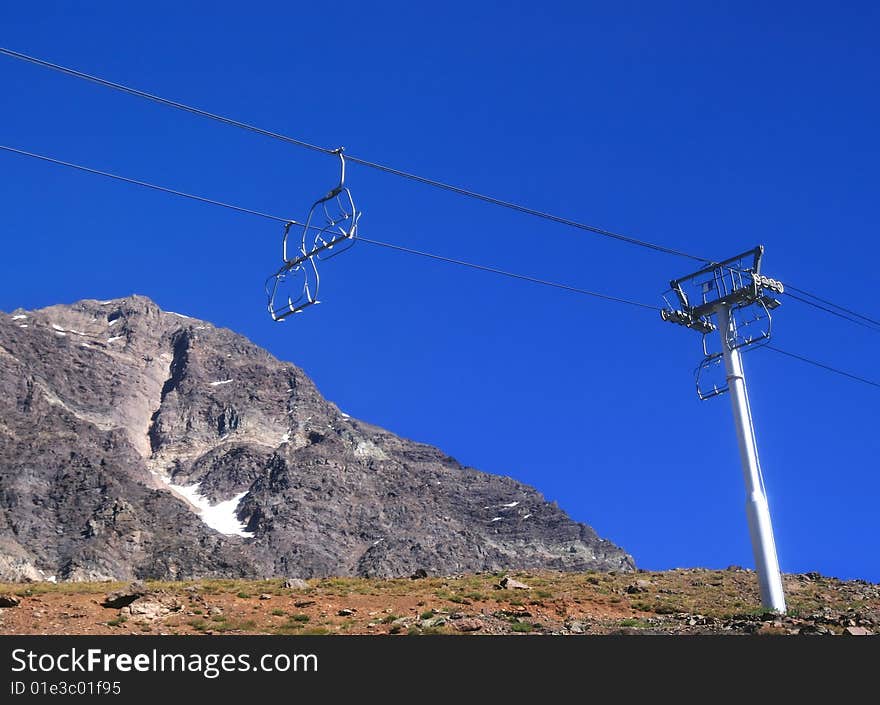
(140, 443)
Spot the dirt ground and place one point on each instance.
(691, 601)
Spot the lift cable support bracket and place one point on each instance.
(736, 284)
(330, 228)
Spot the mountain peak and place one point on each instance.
(133, 307)
(143, 443)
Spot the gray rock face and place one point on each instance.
(138, 443)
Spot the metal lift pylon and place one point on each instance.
(724, 291)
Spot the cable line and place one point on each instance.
(869, 326)
(399, 248)
(822, 365)
(868, 319)
(528, 211)
(494, 270)
(388, 245)
(159, 99)
(138, 182)
(840, 310)
(357, 160)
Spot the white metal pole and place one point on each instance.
(757, 509)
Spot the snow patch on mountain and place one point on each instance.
(221, 516)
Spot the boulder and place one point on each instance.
(857, 631)
(125, 596)
(508, 583)
(295, 584)
(638, 586)
(468, 624)
(149, 608)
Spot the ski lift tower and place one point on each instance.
(734, 298)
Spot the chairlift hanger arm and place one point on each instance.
(334, 192)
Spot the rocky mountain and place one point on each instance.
(140, 443)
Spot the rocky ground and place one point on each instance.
(691, 601)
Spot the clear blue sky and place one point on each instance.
(709, 127)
